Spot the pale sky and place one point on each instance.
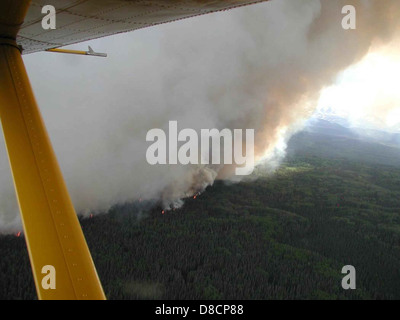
(368, 92)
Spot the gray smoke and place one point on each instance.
(260, 67)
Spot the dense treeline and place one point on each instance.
(281, 236)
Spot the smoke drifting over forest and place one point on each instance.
(259, 67)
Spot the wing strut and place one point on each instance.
(53, 234)
(90, 52)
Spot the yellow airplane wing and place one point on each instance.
(52, 231)
(61, 262)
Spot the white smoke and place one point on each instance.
(259, 67)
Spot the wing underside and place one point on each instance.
(81, 20)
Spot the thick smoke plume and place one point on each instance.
(259, 67)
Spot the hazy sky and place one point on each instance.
(367, 93)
